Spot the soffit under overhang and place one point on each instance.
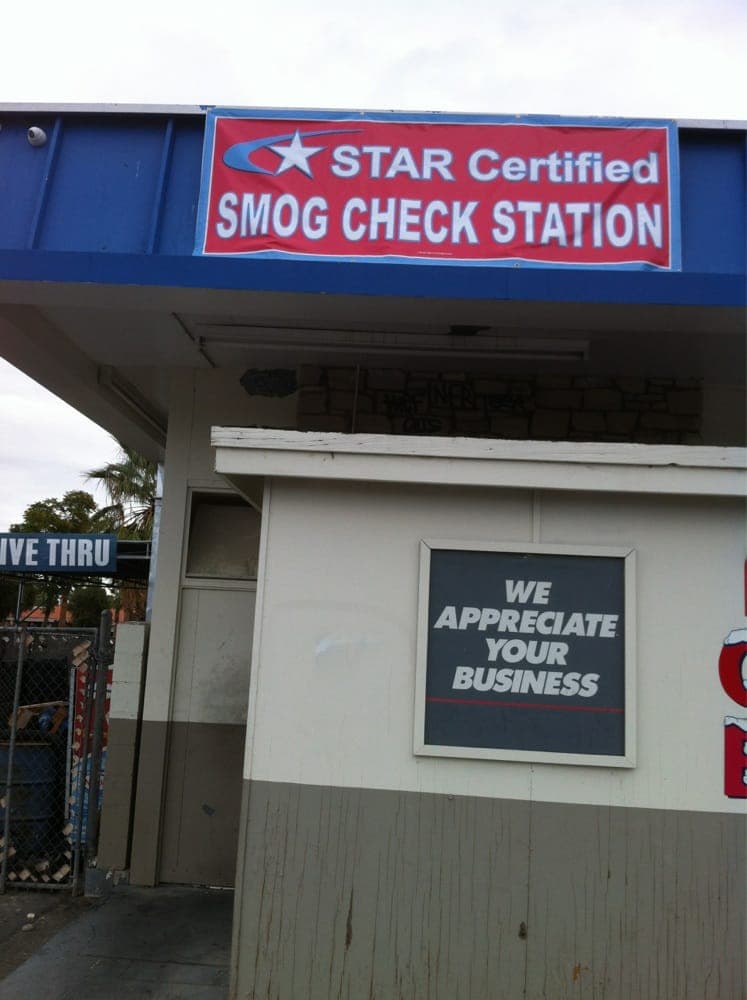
(139, 334)
(227, 330)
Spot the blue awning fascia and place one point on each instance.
(379, 279)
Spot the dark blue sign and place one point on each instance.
(49, 552)
(526, 652)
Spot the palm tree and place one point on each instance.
(130, 484)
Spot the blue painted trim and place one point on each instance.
(203, 200)
(446, 118)
(485, 262)
(159, 199)
(41, 204)
(675, 208)
(675, 198)
(386, 280)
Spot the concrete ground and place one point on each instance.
(168, 943)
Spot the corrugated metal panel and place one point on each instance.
(712, 180)
(102, 187)
(23, 179)
(100, 183)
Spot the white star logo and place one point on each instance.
(296, 155)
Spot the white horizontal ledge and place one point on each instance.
(562, 465)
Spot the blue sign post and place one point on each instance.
(50, 552)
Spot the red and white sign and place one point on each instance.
(439, 191)
(732, 669)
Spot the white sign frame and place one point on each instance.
(421, 748)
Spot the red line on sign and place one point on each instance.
(521, 704)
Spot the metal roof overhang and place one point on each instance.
(100, 294)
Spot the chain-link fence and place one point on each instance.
(54, 687)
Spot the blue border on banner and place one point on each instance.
(405, 117)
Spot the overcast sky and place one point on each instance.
(679, 58)
(46, 446)
(638, 58)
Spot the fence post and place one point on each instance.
(11, 750)
(80, 785)
(99, 711)
(19, 600)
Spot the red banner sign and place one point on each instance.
(439, 190)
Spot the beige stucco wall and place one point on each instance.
(334, 670)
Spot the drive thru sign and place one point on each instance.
(50, 552)
(439, 189)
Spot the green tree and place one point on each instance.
(75, 513)
(130, 484)
(86, 602)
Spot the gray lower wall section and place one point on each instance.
(377, 895)
(202, 804)
(147, 820)
(186, 822)
(117, 803)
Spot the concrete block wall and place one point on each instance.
(539, 407)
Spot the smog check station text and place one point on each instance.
(476, 192)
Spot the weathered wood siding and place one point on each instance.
(384, 895)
